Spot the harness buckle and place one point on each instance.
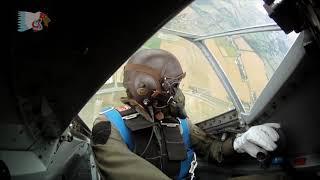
(131, 116)
(193, 166)
(169, 124)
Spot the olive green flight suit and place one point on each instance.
(116, 161)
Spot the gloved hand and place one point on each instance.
(259, 138)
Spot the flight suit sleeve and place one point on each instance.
(115, 160)
(210, 148)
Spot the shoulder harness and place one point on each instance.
(117, 119)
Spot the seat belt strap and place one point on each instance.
(187, 163)
(116, 120)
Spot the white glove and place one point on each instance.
(259, 138)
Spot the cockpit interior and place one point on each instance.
(247, 62)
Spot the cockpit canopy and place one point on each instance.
(229, 50)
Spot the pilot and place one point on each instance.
(151, 137)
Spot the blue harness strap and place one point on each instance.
(185, 165)
(116, 119)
